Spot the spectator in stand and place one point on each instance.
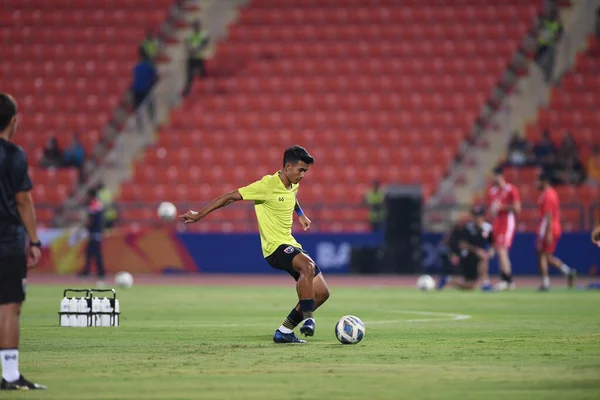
(519, 151)
(197, 46)
(593, 167)
(52, 157)
(74, 155)
(568, 168)
(150, 45)
(549, 31)
(144, 77)
(570, 171)
(374, 200)
(568, 147)
(545, 151)
(598, 22)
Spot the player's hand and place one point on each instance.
(596, 235)
(549, 238)
(305, 222)
(33, 256)
(191, 217)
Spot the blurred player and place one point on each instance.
(504, 203)
(596, 232)
(469, 250)
(596, 240)
(274, 198)
(549, 232)
(17, 221)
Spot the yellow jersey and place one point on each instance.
(274, 206)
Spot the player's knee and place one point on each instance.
(307, 269)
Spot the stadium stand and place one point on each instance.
(573, 108)
(69, 63)
(375, 90)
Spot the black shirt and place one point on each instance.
(14, 178)
(477, 236)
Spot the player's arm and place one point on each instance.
(21, 182)
(302, 217)
(221, 201)
(27, 212)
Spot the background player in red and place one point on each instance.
(549, 232)
(504, 203)
(596, 232)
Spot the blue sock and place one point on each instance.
(293, 319)
(308, 307)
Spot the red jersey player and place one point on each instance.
(504, 203)
(549, 232)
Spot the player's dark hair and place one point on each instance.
(297, 153)
(8, 109)
(499, 170)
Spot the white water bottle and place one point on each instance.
(105, 308)
(96, 308)
(82, 307)
(73, 320)
(64, 308)
(117, 312)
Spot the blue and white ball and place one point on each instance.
(350, 330)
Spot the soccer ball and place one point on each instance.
(426, 283)
(349, 330)
(124, 280)
(167, 211)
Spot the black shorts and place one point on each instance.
(470, 267)
(13, 278)
(282, 259)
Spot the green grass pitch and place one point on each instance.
(190, 342)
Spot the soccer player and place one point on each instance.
(596, 240)
(504, 203)
(596, 232)
(17, 219)
(470, 250)
(274, 198)
(548, 234)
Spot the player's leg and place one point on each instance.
(9, 340)
(470, 266)
(543, 266)
(449, 264)
(99, 259)
(483, 270)
(505, 268)
(321, 289)
(13, 272)
(569, 272)
(202, 68)
(306, 268)
(189, 77)
(88, 259)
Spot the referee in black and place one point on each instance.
(17, 222)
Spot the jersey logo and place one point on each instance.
(281, 199)
(288, 250)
